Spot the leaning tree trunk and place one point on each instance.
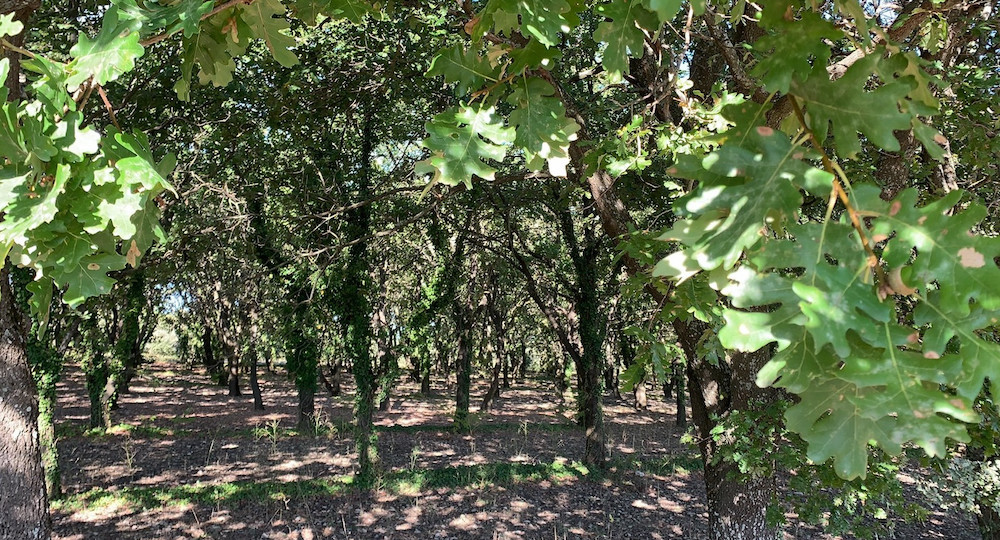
(23, 503)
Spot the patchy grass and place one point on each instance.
(405, 482)
(411, 482)
(68, 430)
(227, 494)
(480, 428)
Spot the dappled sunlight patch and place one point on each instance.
(464, 522)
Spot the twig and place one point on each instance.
(107, 105)
(841, 194)
(15, 48)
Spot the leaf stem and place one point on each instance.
(838, 190)
(10, 46)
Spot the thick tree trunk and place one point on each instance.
(489, 400)
(522, 367)
(47, 439)
(357, 317)
(208, 352)
(505, 359)
(128, 348)
(737, 502)
(23, 502)
(331, 383)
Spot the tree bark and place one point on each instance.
(23, 503)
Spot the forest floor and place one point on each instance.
(188, 461)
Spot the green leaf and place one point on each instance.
(464, 68)
(110, 54)
(134, 161)
(207, 49)
(41, 299)
(50, 88)
(74, 141)
(352, 10)
(852, 108)
(152, 17)
(830, 420)
(543, 20)
(461, 141)
(666, 10)
(266, 21)
(792, 47)
(623, 34)
(543, 131)
(8, 26)
(308, 11)
(147, 231)
(89, 277)
(120, 211)
(533, 55)
(730, 183)
(30, 204)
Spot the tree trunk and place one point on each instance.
(358, 318)
(737, 508)
(258, 400)
(737, 502)
(211, 364)
(489, 400)
(23, 502)
(522, 368)
(505, 359)
(592, 360)
(639, 393)
(234, 371)
(96, 372)
(331, 383)
(678, 377)
(306, 421)
(463, 328)
(128, 347)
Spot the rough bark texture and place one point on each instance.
(24, 507)
(23, 502)
(737, 503)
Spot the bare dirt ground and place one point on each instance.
(187, 432)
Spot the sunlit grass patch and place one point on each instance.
(226, 494)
